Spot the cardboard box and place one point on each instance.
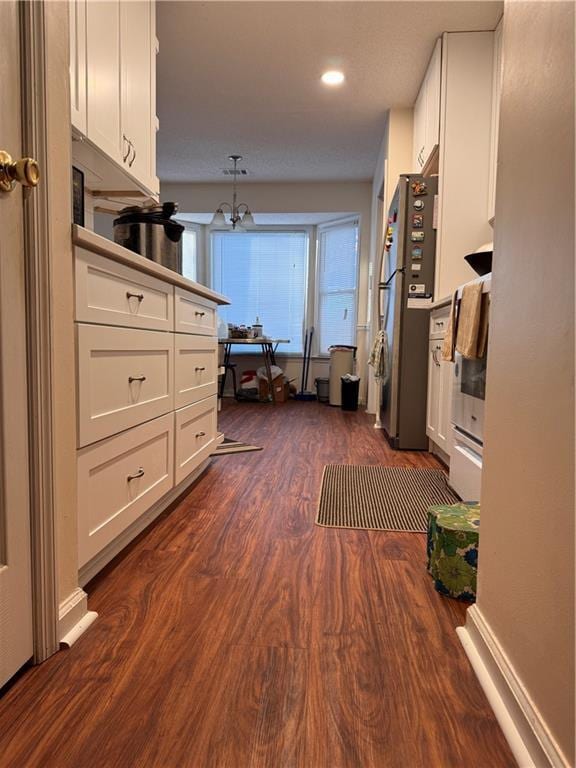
(281, 389)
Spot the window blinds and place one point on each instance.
(336, 289)
(264, 274)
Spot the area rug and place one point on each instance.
(380, 498)
(233, 446)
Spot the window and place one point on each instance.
(190, 253)
(264, 274)
(336, 284)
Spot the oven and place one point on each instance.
(468, 400)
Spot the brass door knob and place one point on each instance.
(24, 171)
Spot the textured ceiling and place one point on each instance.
(244, 77)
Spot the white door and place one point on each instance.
(16, 644)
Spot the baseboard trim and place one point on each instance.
(92, 567)
(74, 618)
(522, 724)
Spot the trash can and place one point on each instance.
(350, 386)
(341, 363)
(323, 390)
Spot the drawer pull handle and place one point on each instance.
(136, 475)
(136, 378)
(200, 434)
(199, 369)
(139, 296)
(199, 314)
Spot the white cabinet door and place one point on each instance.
(78, 64)
(496, 91)
(419, 130)
(433, 390)
(443, 433)
(136, 85)
(103, 76)
(432, 86)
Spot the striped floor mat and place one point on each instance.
(380, 498)
(233, 446)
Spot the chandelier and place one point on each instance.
(240, 216)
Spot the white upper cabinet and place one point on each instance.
(78, 64)
(136, 88)
(464, 155)
(496, 90)
(103, 76)
(427, 112)
(113, 93)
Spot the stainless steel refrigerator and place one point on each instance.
(406, 288)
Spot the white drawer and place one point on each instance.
(193, 314)
(113, 294)
(196, 433)
(119, 479)
(195, 369)
(465, 466)
(125, 377)
(439, 322)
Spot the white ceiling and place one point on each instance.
(244, 77)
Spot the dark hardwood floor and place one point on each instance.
(236, 633)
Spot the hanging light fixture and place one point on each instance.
(240, 215)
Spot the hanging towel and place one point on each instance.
(379, 356)
(449, 342)
(469, 320)
(483, 330)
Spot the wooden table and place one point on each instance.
(268, 349)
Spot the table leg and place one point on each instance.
(227, 349)
(266, 355)
(273, 349)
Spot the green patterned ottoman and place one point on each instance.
(453, 549)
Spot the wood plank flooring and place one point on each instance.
(235, 633)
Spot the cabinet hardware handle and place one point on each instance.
(474, 418)
(131, 162)
(136, 378)
(200, 369)
(199, 314)
(200, 434)
(434, 356)
(139, 296)
(136, 475)
(127, 144)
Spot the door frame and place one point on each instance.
(38, 41)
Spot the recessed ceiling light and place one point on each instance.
(333, 77)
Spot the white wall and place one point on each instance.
(317, 197)
(526, 568)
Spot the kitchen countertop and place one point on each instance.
(85, 238)
(440, 303)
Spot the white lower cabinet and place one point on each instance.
(125, 377)
(119, 479)
(147, 405)
(440, 375)
(196, 431)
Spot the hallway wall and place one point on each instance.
(526, 568)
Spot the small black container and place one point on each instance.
(350, 390)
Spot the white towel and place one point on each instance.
(379, 356)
